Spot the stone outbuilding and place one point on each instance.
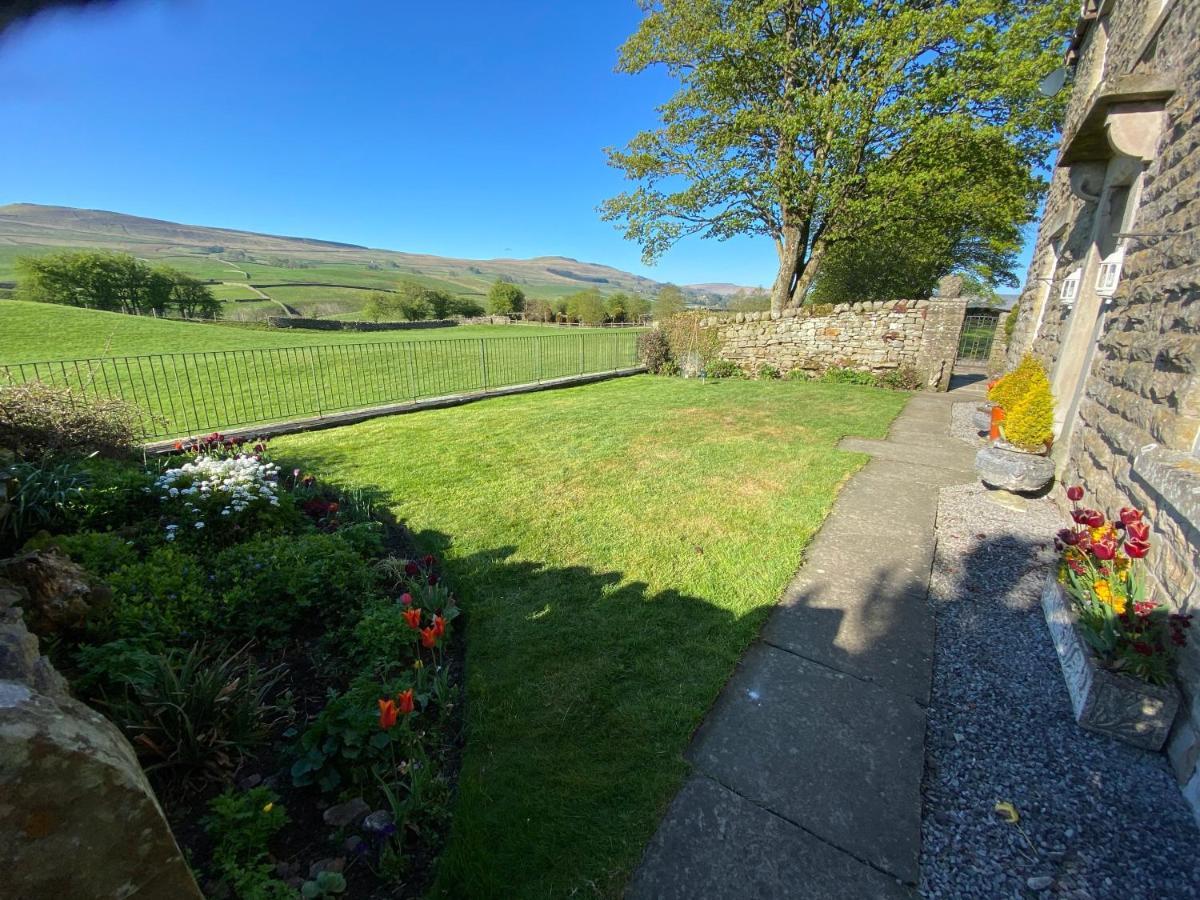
(1112, 302)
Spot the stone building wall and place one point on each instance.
(1130, 416)
(874, 336)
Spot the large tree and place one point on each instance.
(805, 121)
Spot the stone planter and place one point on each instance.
(1013, 470)
(1121, 707)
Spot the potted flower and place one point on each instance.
(1115, 643)
(1022, 429)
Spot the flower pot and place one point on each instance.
(1119, 706)
(1013, 470)
(994, 425)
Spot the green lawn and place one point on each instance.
(616, 547)
(189, 378)
(39, 331)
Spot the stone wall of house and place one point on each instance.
(1133, 438)
(879, 337)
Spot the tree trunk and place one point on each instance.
(804, 278)
(791, 262)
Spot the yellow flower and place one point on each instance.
(268, 807)
(1104, 592)
(417, 664)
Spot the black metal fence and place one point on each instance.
(975, 341)
(192, 393)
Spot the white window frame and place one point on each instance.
(1108, 273)
(1069, 291)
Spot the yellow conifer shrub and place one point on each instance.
(1012, 387)
(1029, 422)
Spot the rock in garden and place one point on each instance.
(346, 813)
(1011, 470)
(1039, 882)
(19, 656)
(378, 821)
(79, 818)
(57, 593)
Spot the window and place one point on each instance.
(1070, 288)
(1110, 273)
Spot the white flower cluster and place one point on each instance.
(208, 483)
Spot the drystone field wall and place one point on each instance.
(871, 336)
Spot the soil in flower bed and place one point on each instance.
(1095, 818)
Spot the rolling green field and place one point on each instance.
(187, 378)
(615, 548)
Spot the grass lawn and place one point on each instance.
(247, 376)
(616, 547)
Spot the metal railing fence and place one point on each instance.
(192, 393)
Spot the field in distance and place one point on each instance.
(31, 332)
(256, 275)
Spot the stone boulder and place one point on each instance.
(79, 819)
(58, 595)
(1012, 470)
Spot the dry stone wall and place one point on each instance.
(873, 336)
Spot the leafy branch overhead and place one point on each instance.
(822, 123)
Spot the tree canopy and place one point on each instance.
(116, 282)
(505, 298)
(822, 123)
(669, 302)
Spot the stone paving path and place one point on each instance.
(806, 775)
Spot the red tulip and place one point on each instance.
(413, 617)
(406, 598)
(429, 560)
(387, 714)
(1138, 531)
(1106, 549)
(1075, 493)
(411, 569)
(1095, 518)
(1080, 516)
(439, 625)
(1069, 536)
(1129, 515)
(179, 445)
(404, 702)
(1136, 549)
(428, 637)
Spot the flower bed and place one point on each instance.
(1116, 644)
(280, 657)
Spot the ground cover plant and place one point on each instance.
(617, 547)
(276, 652)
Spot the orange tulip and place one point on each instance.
(404, 702)
(413, 617)
(428, 637)
(439, 625)
(387, 714)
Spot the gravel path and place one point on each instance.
(962, 424)
(1098, 819)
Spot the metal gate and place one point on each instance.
(975, 342)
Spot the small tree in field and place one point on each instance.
(538, 310)
(670, 302)
(505, 299)
(379, 306)
(587, 307)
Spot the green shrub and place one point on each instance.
(671, 369)
(1009, 388)
(722, 368)
(118, 495)
(38, 420)
(100, 552)
(167, 596)
(902, 379)
(187, 708)
(1010, 321)
(846, 375)
(241, 826)
(799, 375)
(270, 585)
(653, 351)
(768, 372)
(383, 642)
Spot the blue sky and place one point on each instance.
(471, 129)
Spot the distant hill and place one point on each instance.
(257, 274)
